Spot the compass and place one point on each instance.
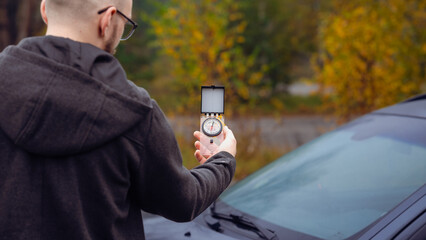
(212, 127)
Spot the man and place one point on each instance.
(83, 149)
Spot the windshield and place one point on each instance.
(340, 183)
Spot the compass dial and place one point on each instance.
(212, 127)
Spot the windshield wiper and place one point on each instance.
(241, 220)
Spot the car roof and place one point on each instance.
(413, 107)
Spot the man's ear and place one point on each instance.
(105, 21)
(43, 11)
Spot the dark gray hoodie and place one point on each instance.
(82, 149)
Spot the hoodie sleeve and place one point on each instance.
(165, 187)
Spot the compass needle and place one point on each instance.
(214, 129)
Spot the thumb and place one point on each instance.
(227, 133)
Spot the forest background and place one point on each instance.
(361, 55)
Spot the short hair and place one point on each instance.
(77, 9)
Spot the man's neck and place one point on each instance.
(76, 34)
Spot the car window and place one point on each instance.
(340, 183)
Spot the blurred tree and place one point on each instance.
(19, 19)
(135, 54)
(203, 39)
(284, 32)
(4, 23)
(372, 54)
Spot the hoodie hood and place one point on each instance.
(60, 97)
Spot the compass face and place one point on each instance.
(212, 127)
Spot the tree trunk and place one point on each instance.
(29, 19)
(4, 25)
(18, 19)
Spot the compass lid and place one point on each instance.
(213, 99)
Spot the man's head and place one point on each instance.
(79, 20)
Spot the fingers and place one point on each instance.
(229, 145)
(199, 157)
(197, 135)
(197, 145)
(197, 154)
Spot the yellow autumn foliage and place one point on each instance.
(371, 55)
(202, 39)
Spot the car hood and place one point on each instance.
(159, 228)
(413, 107)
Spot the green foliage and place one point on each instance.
(284, 32)
(255, 49)
(372, 54)
(135, 55)
(286, 104)
(366, 54)
(202, 39)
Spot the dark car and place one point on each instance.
(365, 180)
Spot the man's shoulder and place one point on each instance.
(154, 118)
